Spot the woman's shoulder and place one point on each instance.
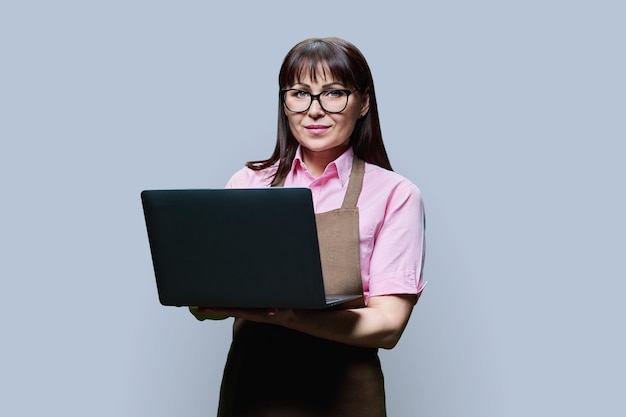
(251, 178)
(384, 179)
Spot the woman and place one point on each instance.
(325, 363)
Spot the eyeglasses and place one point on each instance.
(331, 101)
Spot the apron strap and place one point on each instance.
(354, 183)
(280, 182)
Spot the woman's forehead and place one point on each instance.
(320, 74)
(314, 72)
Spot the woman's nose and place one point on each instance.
(316, 110)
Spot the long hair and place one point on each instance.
(346, 64)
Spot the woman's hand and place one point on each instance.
(203, 313)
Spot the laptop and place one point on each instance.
(238, 248)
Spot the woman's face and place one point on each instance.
(319, 131)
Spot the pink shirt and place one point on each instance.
(391, 218)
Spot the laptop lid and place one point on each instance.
(242, 248)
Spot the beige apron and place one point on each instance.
(272, 371)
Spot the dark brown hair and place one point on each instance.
(346, 64)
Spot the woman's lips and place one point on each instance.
(316, 129)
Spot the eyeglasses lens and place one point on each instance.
(333, 101)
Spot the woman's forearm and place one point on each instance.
(380, 324)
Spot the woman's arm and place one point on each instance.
(380, 324)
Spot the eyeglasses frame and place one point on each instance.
(283, 92)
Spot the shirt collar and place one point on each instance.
(340, 167)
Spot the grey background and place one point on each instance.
(508, 115)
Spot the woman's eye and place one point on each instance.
(300, 94)
(335, 93)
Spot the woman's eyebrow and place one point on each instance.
(333, 84)
(329, 85)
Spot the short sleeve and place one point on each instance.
(248, 178)
(238, 179)
(397, 257)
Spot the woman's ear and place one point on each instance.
(365, 104)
